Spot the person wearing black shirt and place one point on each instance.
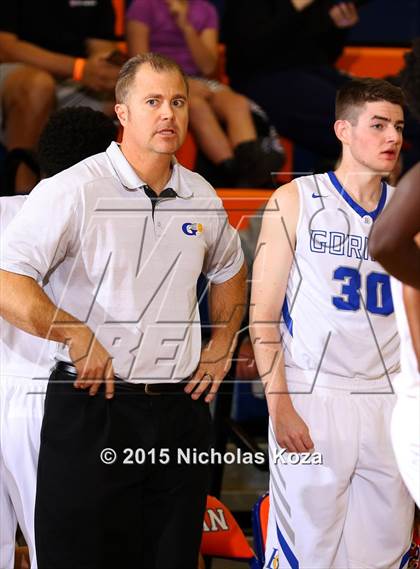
(52, 54)
(281, 54)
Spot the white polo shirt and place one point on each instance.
(129, 273)
(21, 354)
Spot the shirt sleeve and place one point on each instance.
(224, 256)
(42, 232)
(141, 11)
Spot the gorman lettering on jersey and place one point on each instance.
(340, 244)
(336, 285)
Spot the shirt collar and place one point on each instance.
(356, 206)
(130, 180)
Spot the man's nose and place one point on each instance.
(167, 110)
(394, 135)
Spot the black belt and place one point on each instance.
(154, 388)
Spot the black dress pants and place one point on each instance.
(145, 510)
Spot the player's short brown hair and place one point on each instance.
(353, 95)
(129, 70)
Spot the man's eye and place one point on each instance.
(152, 102)
(178, 103)
(378, 126)
(400, 129)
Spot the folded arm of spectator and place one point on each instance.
(99, 46)
(12, 49)
(98, 74)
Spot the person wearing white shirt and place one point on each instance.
(70, 135)
(124, 236)
(327, 348)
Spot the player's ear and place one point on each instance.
(342, 130)
(121, 110)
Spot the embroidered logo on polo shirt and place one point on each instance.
(192, 228)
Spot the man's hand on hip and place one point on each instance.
(214, 364)
(93, 364)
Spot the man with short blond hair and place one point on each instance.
(123, 237)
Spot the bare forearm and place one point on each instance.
(203, 57)
(412, 307)
(269, 357)
(14, 50)
(403, 262)
(24, 304)
(227, 306)
(96, 47)
(393, 238)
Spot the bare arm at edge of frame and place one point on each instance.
(392, 241)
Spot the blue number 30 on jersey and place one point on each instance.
(378, 291)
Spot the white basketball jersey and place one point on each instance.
(21, 354)
(409, 380)
(338, 315)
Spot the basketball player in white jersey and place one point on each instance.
(24, 362)
(395, 243)
(71, 135)
(326, 346)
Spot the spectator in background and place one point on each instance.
(70, 135)
(187, 31)
(53, 53)
(281, 54)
